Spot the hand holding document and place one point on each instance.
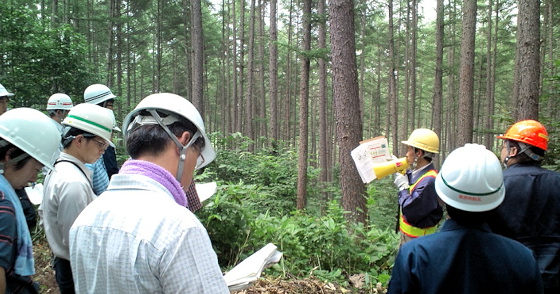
(367, 154)
(374, 161)
(249, 270)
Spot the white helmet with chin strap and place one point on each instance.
(97, 94)
(90, 118)
(471, 179)
(176, 106)
(31, 131)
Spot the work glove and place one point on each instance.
(401, 181)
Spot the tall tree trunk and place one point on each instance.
(347, 105)
(119, 36)
(111, 49)
(324, 145)
(263, 125)
(249, 103)
(438, 80)
(489, 138)
(241, 64)
(287, 109)
(304, 106)
(159, 47)
(528, 59)
(393, 111)
(197, 43)
(466, 84)
(413, 62)
(273, 70)
(236, 100)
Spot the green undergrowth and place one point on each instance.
(255, 205)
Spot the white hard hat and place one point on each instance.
(4, 92)
(471, 179)
(172, 103)
(115, 126)
(59, 101)
(93, 119)
(31, 131)
(97, 94)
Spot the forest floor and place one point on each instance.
(45, 277)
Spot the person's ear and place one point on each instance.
(513, 151)
(185, 137)
(8, 154)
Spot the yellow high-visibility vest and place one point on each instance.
(409, 229)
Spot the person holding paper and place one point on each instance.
(139, 236)
(419, 208)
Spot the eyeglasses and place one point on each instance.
(102, 145)
(199, 161)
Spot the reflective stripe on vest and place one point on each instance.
(409, 229)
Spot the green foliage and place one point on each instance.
(382, 203)
(254, 205)
(38, 60)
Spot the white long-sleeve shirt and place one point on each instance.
(67, 191)
(135, 238)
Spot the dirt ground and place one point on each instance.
(44, 272)
(45, 277)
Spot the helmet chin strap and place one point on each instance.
(526, 148)
(182, 148)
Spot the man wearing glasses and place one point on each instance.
(139, 233)
(68, 188)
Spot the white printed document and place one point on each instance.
(249, 270)
(367, 154)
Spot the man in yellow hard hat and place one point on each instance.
(530, 212)
(420, 210)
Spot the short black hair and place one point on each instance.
(150, 139)
(73, 132)
(521, 156)
(17, 152)
(466, 218)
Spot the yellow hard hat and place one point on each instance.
(424, 139)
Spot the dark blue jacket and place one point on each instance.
(110, 160)
(421, 206)
(464, 260)
(530, 214)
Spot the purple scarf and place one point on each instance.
(158, 174)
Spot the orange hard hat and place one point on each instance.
(529, 132)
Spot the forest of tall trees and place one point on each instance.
(314, 75)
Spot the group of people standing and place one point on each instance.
(502, 232)
(133, 233)
(136, 233)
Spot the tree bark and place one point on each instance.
(304, 106)
(347, 105)
(528, 59)
(273, 70)
(438, 80)
(466, 75)
(393, 111)
(197, 43)
(324, 145)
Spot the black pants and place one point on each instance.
(64, 277)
